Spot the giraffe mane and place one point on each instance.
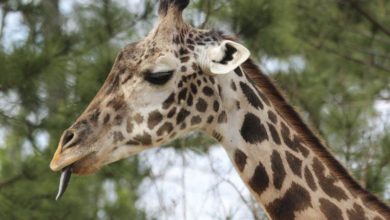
(288, 112)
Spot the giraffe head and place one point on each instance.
(158, 89)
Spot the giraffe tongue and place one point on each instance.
(65, 177)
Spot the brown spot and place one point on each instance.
(238, 72)
(310, 179)
(194, 67)
(132, 142)
(127, 78)
(296, 199)
(183, 51)
(129, 125)
(138, 118)
(184, 59)
(118, 137)
(172, 112)
(216, 106)
(212, 80)
(279, 173)
(166, 128)
(183, 114)
(194, 89)
(173, 135)
(286, 137)
(196, 120)
(295, 163)
(274, 134)
(154, 119)
(95, 116)
(217, 136)
(181, 84)
(262, 96)
(293, 144)
(272, 117)
(233, 86)
(327, 183)
(169, 101)
(330, 210)
(240, 159)
(357, 213)
(252, 130)
(208, 91)
(259, 181)
(118, 119)
(190, 41)
(238, 105)
(144, 139)
(112, 83)
(219, 89)
(251, 96)
(222, 118)
(106, 119)
(190, 100)
(201, 105)
(182, 95)
(210, 119)
(117, 103)
(301, 148)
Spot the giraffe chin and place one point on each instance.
(86, 166)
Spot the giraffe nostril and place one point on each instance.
(68, 139)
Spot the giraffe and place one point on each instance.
(181, 79)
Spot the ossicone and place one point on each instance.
(165, 5)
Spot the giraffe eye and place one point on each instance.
(158, 78)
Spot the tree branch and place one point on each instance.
(350, 58)
(10, 181)
(2, 22)
(369, 17)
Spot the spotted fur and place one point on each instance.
(284, 164)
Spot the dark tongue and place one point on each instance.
(65, 177)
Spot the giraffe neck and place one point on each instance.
(285, 175)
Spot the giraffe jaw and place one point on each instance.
(122, 152)
(93, 161)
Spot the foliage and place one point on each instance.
(334, 64)
(332, 59)
(46, 81)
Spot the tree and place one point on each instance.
(332, 60)
(330, 57)
(46, 80)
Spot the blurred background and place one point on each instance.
(331, 58)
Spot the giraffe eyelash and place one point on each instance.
(158, 78)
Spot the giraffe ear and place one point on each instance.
(227, 57)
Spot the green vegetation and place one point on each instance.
(333, 60)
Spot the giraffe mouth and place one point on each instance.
(90, 163)
(67, 173)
